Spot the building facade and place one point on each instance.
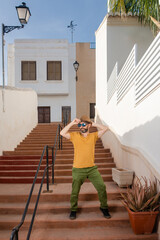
(127, 93)
(85, 86)
(47, 67)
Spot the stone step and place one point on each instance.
(57, 166)
(32, 173)
(58, 207)
(90, 233)
(38, 153)
(41, 140)
(49, 220)
(64, 151)
(58, 161)
(40, 148)
(46, 142)
(57, 179)
(64, 145)
(87, 194)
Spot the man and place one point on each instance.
(83, 165)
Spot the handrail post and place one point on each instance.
(61, 142)
(16, 237)
(59, 135)
(53, 165)
(47, 169)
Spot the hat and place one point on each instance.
(84, 118)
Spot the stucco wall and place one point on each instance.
(135, 126)
(18, 116)
(122, 34)
(101, 63)
(51, 93)
(85, 86)
(135, 133)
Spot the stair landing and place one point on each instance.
(52, 219)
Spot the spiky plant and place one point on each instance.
(143, 196)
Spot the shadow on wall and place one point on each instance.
(138, 149)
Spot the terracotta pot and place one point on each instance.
(142, 222)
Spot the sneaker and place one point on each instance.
(72, 215)
(105, 213)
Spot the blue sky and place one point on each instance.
(50, 19)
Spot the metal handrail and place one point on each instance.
(15, 230)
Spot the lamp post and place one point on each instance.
(23, 15)
(76, 66)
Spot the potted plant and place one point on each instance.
(142, 202)
(123, 177)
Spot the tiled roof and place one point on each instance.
(114, 14)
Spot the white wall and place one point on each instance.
(135, 126)
(122, 34)
(18, 116)
(50, 93)
(101, 62)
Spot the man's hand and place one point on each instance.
(65, 130)
(102, 128)
(76, 121)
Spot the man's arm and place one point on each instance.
(64, 132)
(102, 129)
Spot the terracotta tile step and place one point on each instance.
(49, 220)
(38, 137)
(59, 192)
(38, 153)
(64, 152)
(58, 161)
(44, 141)
(58, 156)
(57, 179)
(64, 144)
(41, 146)
(39, 140)
(90, 233)
(29, 173)
(59, 207)
(59, 198)
(44, 130)
(41, 134)
(57, 166)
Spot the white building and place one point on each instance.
(47, 67)
(128, 93)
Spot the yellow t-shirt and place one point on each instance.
(84, 148)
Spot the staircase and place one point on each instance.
(52, 220)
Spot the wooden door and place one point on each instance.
(66, 115)
(43, 114)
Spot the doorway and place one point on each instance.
(66, 115)
(43, 114)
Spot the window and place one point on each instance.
(54, 70)
(92, 110)
(28, 70)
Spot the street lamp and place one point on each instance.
(76, 66)
(23, 15)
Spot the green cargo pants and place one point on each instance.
(79, 175)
